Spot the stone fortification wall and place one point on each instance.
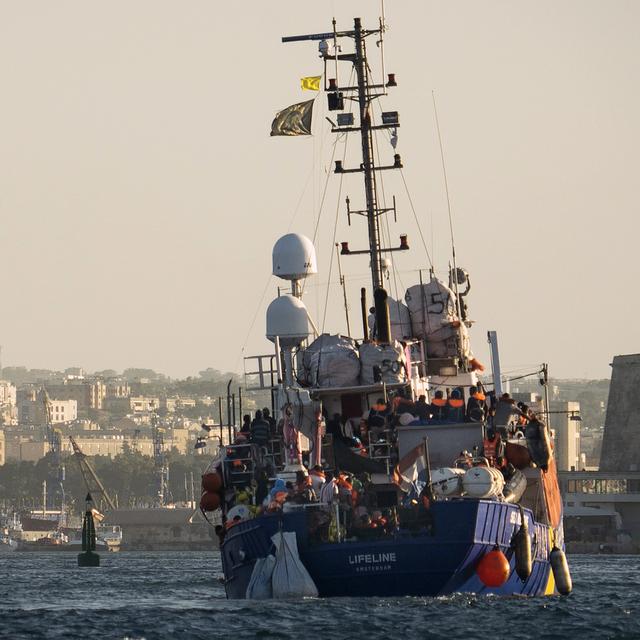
(621, 441)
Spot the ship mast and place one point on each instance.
(368, 166)
(364, 92)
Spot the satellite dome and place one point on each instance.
(294, 257)
(288, 320)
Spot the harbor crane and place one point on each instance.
(94, 486)
(160, 462)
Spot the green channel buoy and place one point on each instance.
(88, 557)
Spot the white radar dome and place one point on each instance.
(287, 318)
(294, 257)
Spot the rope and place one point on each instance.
(253, 321)
(394, 270)
(415, 216)
(333, 242)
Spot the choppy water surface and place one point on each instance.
(177, 595)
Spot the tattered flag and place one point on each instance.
(294, 120)
(409, 467)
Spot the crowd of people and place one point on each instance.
(352, 492)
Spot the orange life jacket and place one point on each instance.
(439, 402)
(479, 396)
(456, 403)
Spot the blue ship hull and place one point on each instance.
(438, 562)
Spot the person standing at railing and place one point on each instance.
(329, 490)
(438, 407)
(259, 430)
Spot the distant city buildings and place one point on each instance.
(32, 409)
(7, 393)
(109, 413)
(8, 403)
(31, 448)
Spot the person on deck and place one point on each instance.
(317, 478)
(507, 413)
(246, 425)
(303, 490)
(378, 419)
(336, 429)
(400, 403)
(438, 407)
(476, 405)
(456, 406)
(259, 430)
(266, 415)
(378, 414)
(422, 409)
(329, 491)
(493, 448)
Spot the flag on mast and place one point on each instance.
(310, 83)
(294, 120)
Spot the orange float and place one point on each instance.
(493, 569)
(209, 501)
(212, 482)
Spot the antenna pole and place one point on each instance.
(453, 244)
(344, 290)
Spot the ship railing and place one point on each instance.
(274, 452)
(382, 450)
(239, 464)
(264, 375)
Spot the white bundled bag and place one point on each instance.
(331, 361)
(259, 587)
(290, 578)
(388, 358)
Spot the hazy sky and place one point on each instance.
(141, 194)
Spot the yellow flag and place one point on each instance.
(312, 83)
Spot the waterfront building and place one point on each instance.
(565, 421)
(117, 388)
(602, 510)
(89, 394)
(162, 529)
(7, 393)
(173, 404)
(31, 409)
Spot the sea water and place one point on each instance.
(179, 595)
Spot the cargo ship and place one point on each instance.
(394, 467)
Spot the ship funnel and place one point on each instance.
(383, 323)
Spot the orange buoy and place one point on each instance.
(212, 482)
(493, 569)
(209, 501)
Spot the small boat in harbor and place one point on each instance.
(393, 468)
(7, 543)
